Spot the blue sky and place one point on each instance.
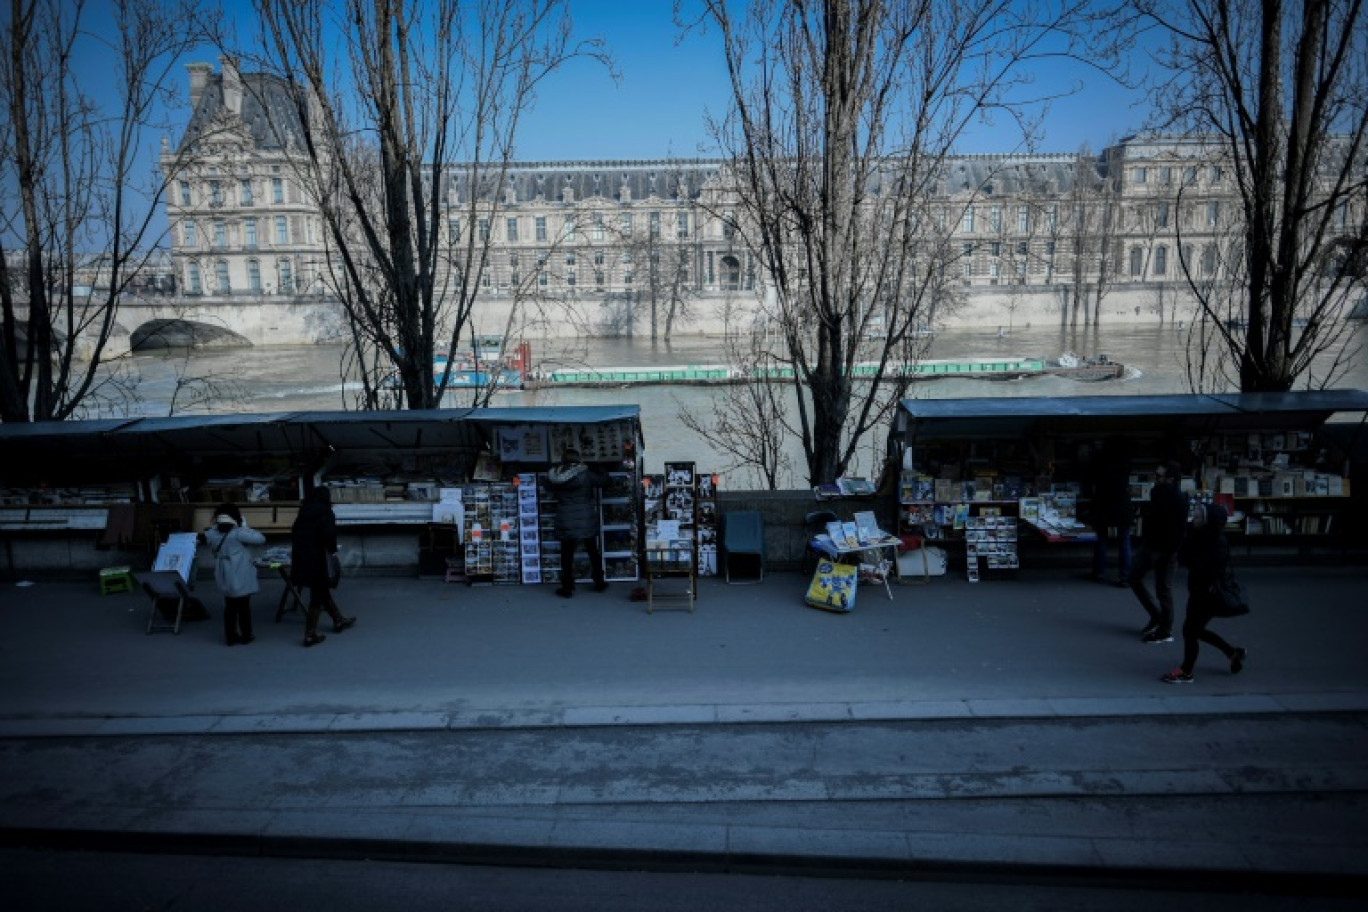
(657, 108)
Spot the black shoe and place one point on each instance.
(314, 640)
(600, 587)
(1149, 628)
(247, 639)
(232, 642)
(565, 593)
(344, 624)
(1237, 660)
(1158, 636)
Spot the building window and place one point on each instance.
(1190, 175)
(570, 227)
(192, 278)
(1137, 262)
(1161, 215)
(626, 224)
(1165, 174)
(683, 225)
(286, 276)
(454, 229)
(1341, 217)
(967, 260)
(245, 192)
(188, 231)
(729, 224)
(221, 276)
(1161, 260)
(995, 249)
(254, 276)
(571, 273)
(541, 227)
(513, 276)
(994, 219)
(1216, 174)
(185, 194)
(655, 223)
(220, 233)
(511, 229)
(1209, 259)
(993, 270)
(1050, 217)
(1213, 213)
(1023, 220)
(967, 223)
(1141, 175)
(249, 232)
(482, 228)
(215, 193)
(277, 190)
(282, 230)
(598, 226)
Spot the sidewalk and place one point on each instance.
(428, 661)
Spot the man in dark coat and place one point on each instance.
(1165, 523)
(577, 518)
(1111, 512)
(313, 537)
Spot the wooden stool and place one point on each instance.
(116, 579)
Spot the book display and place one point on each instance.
(980, 474)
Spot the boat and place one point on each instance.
(484, 365)
(1088, 370)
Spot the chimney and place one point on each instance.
(232, 85)
(199, 78)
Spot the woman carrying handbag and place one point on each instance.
(313, 543)
(1206, 555)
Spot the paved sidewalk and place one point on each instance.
(432, 660)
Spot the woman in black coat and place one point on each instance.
(1206, 555)
(313, 537)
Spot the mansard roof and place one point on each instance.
(268, 113)
(665, 179)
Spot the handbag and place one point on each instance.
(334, 571)
(1228, 598)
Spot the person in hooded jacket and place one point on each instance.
(577, 518)
(313, 537)
(229, 541)
(1206, 554)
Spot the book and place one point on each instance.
(836, 531)
(1029, 508)
(961, 515)
(944, 490)
(867, 527)
(852, 534)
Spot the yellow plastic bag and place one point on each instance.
(833, 586)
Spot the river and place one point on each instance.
(304, 378)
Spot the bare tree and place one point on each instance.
(408, 114)
(843, 115)
(79, 188)
(1281, 91)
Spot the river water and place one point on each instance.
(304, 378)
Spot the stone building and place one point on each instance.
(1031, 237)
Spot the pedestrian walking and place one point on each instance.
(313, 541)
(1110, 510)
(1206, 555)
(575, 485)
(230, 540)
(1165, 525)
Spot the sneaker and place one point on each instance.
(1177, 676)
(344, 624)
(1237, 660)
(314, 640)
(1157, 636)
(1149, 628)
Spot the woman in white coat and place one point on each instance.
(234, 572)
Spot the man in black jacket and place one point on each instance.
(577, 518)
(1165, 523)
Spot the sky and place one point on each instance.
(667, 86)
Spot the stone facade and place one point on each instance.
(598, 241)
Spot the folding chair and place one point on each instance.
(743, 540)
(164, 585)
